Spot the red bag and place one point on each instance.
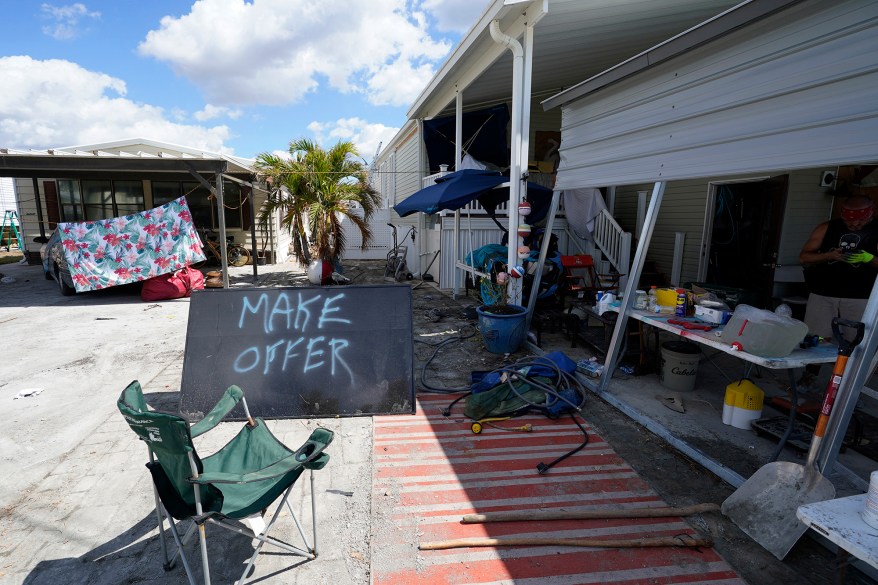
(174, 285)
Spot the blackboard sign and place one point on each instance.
(301, 352)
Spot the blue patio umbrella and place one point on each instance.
(455, 190)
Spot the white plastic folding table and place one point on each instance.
(840, 522)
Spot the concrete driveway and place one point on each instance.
(75, 502)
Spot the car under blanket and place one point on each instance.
(132, 248)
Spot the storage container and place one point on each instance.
(763, 333)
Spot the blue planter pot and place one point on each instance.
(504, 328)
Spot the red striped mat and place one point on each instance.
(431, 470)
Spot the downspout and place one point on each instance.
(458, 141)
(514, 292)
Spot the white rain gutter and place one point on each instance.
(514, 291)
(458, 157)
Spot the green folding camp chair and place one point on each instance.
(236, 483)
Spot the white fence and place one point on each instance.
(382, 237)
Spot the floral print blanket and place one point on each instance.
(132, 248)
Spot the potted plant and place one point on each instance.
(313, 189)
(503, 326)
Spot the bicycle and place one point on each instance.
(237, 254)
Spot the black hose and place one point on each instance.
(438, 346)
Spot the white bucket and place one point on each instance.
(870, 509)
(679, 365)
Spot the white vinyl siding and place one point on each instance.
(27, 214)
(798, 89)
(408, 177)
(808, 204)
(387, 180)
(7, 194)
(682, 211)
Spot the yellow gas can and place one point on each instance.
(742, 404)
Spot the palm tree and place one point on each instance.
(313, 190)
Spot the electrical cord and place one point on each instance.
(439, 346)
(542, 468)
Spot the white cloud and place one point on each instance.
(454, 15)
(278, 51)
(211, 112)
(398, 84)
(51, 103)
(365, 136)
(66, 20)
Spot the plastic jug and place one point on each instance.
(763, 333)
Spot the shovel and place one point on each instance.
(765, 505)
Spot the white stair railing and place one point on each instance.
(614, 243)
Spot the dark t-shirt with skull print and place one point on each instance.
(840, 279)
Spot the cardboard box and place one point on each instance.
(712, 316)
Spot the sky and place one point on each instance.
(230, 76)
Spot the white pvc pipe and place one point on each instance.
(458, 141)
(514, 291)
(525, 98)
(458, 130)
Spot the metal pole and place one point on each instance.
(251, 197)
(221, 219)
(616, 342)
(39, 209)
(544, 250)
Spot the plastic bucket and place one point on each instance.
(679, 365)
(502, 332)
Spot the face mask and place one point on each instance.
(857, 214)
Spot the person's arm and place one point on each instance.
(809, 253)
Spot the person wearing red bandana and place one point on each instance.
(840, 267)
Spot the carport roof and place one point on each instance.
(116, 159)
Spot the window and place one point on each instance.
(90, 200)
(203, 207)
(93, 199)
(128, 196)
(70, 201)
(97, 197)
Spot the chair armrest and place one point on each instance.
(230, 398)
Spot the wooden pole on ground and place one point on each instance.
(661, 541)
(530, 515)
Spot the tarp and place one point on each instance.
(122, 250)
(484, 137)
